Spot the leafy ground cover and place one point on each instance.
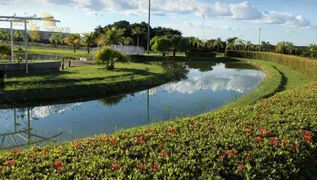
(273, 139)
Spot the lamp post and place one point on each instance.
(148, 29)
(260, 30)
(203, 27)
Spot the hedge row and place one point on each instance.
(273, 139)
(304, 65)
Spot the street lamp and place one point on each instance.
(260, 30)
(203, 27)
(149, 31)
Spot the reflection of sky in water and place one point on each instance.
(201, 92)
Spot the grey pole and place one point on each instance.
(203, 27)
(26, 46)
(260, 30)
(149, 31)
(11, 32)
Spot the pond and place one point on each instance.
(206, 87)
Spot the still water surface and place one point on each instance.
(207, 87)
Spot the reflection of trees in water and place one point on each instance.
(23, 133)
(240, 66)
(176, 70)
(201, 66)
(112, 101)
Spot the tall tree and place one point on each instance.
(138, 31)
(56, 38)
(112, 36)
(248, 45)
(89, 39)
(73, 40)
(127, 41)
(290, 47)
(230, 46)
(280, 47)
(218, 44)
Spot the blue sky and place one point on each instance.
(281, 20)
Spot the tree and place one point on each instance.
(18, 34)
(218, 44)
(161, 44)
(138, 31)
(56, 38)
(35, 35)
(239, 43)
(289, 47)
(232, 40)
(89, 40)
(127, 41)
(230, 46)
(198, 43)
(4, 35)
(112, 36)
(73, 40)
(280, 47)
(248, 45)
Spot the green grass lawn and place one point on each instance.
(83, 75)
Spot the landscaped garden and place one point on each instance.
(274, 138)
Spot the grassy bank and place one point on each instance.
(278, 78)
(82, 82)
(61, 52)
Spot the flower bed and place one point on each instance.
(273, 139)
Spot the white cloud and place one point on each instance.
(238, 11)
(6, 2)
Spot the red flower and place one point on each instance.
(10, 162)
(16, 151)
(250, 154)
(150, 130)
(161, 145)
(305, 133)
(45, 151)
(274, 141)
(141, 166)
(257, 140)
(164, 154)
(58, 165)
(92, 142)
(75, 144)
(260, 116)
(172, 130)
(141, 140)
(285, 143)
(155, 167)
(31, 154)
(249, 132)
(266, 133)
(241, 167)
(235, 153)
(308, 138)
(212, 126)
(59, 148)
(113, 141)
(293, 147)
(228, 154)
(115, 166)
(102, 139)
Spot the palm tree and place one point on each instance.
(239, 43)
(56, 38)
(290, 47)
(231, 46)
(73, 40)
(247, 45)
(4, 35)
(138, 31)
(89, 39)
(197, 42)
(127, 40)
(280, 47)
(112, 36)
(218, 44)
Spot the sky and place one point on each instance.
(281, 20)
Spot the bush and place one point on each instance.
(107, 56)
(200, 54)
(304, 65)
(5, 51)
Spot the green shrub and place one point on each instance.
(107, 56)
(5, 51)
(200, 54)
(304, 65)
